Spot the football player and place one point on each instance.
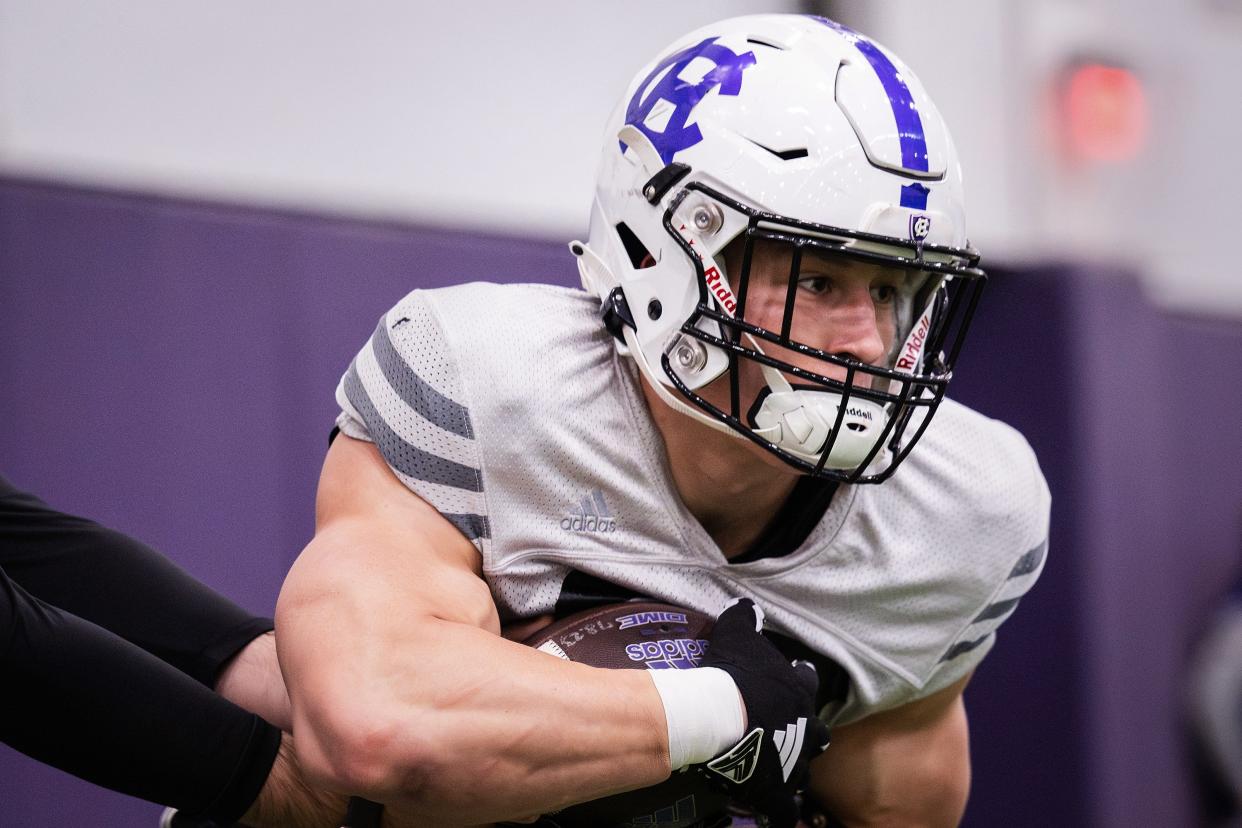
(746, 401)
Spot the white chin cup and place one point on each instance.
(800, 422)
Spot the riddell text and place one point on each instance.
(718, 286)
(914, 345)
(716, 283)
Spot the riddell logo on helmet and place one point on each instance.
(861, 413)
(720, 289)
(716, 282)
(914, 345)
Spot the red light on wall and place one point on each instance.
(1105, 113)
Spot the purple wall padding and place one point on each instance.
(167, 368)
(1028, 772)
(1134, 415)
(1160, 398)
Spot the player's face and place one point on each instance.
(843, 307)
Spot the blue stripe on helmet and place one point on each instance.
(909, 124)
(914, 196)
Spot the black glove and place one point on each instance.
(770, 764)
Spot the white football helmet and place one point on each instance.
(793, 130)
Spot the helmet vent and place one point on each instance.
(767, 43)
(640, 256)
(784, 155)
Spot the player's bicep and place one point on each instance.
(375, 535)
(357, 485)
(360, 610)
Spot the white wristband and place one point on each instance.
(703, 711)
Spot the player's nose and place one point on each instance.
(855, 332)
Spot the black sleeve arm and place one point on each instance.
(122, 585)
(79, 698)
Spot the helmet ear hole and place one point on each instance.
(640, 257)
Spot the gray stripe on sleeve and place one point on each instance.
(427, 401)
(404, 457)
(1030, 562)
(997, 610)
(472, 526)
(963, 647)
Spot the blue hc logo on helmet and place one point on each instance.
(920, 227)
(684, 96)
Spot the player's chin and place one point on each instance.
(749, 449)
(768, 459)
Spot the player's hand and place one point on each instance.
(771, 762)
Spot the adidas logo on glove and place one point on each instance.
(739, 763)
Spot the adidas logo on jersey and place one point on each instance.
(592, 515)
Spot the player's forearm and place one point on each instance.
(253, 682)
(543, 732)
(537, 729)
(286, 800)
(393, 702)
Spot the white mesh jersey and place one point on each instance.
(510, 411)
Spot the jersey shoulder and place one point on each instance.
(482, 345)
(982, 459)
(426, 385)
(524, 314)
(978, 480)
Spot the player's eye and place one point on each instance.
(884, 294)
(814, 284)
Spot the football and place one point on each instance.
(638, 636)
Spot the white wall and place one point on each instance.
(1171, 212)
(475, 114)
(489, 115)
